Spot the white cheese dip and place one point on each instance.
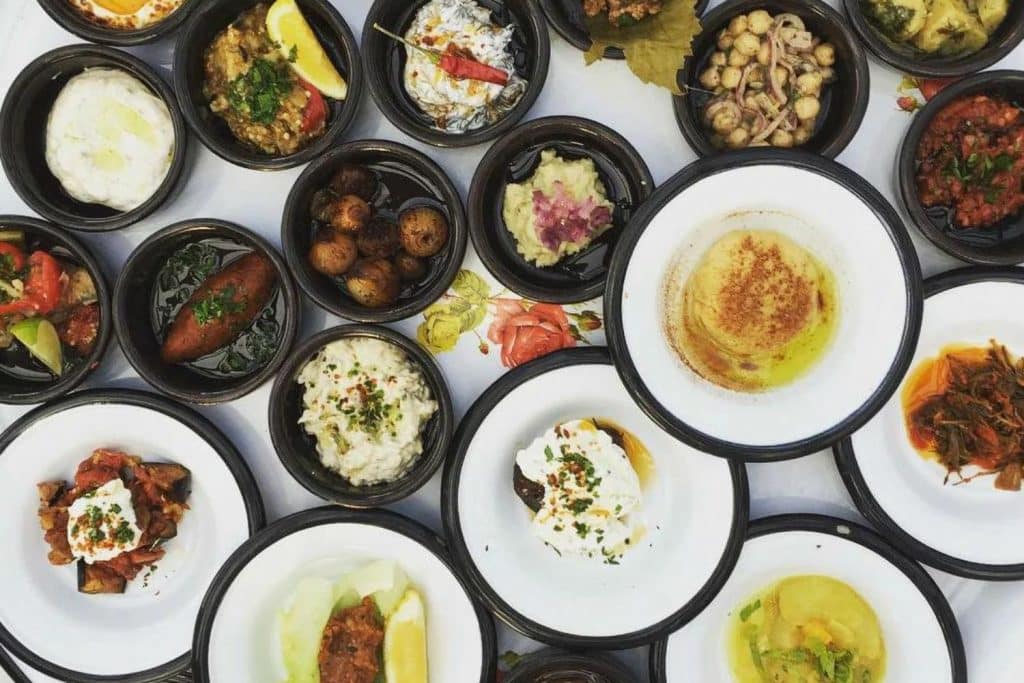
(102, 524)
(109, 139)
(591, 491)
(460, 104)
(365, 403)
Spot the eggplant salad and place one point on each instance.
(114, 518)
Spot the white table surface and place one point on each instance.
(989, 614)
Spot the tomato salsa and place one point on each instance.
(971, 161)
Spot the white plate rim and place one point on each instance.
(192, 420)
(865, 537)
(500, 607)
(699, 170)
(300, 521)
(868, 505)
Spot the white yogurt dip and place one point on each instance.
(109, 139)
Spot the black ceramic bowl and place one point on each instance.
(569, 21)
(23, 379)
(23, 136)
(554, 666)
(297, 449)
(385, 59)
(146, 299)
(212, 17)
(843, 103)
(514, 158)
(1003, 243)
(907, 59)
(62, 12)
(411, 179)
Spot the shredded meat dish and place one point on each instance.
(158, 495)
(349, 649)
(622, 11)
(970, 160)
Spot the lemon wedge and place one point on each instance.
(297, 42)
(40, 338)
(405, 641)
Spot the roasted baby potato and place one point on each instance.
(374, 283)
(356, 180)
(410, 268)
(378, 239)
(333, 253)
(424, 231)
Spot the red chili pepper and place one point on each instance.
(315, 112)
(21, 306)
(930, 87)
(12, 251)
(42, 287)
(454, 64)
(459, 66)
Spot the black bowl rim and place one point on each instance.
(556, 17)
(429, 461)
(906, 171)
(550, 661)
(235, 153)
(11, 139)
(457, 239)
(838, 138)
(550, 127)
(293, 310)
(868, 505)
(307, 519)
(946, 68)
(704, 168)
(380, 89)
(491, 397)
(82, 253)
(8, 666)
(209, 433)
(70, 21)
(865, 537)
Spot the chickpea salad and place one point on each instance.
(767, 77)
(366, 404)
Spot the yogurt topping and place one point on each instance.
(102, 524)
(109, 139)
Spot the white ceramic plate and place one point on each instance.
(694, 510)
(235, 636)
(960, 529)
(921, 636)
(145, 633)
(835, 215)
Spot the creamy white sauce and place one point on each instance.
(109, 139)
(460, 105)
(365, 404)
(102, 523)
(589, 512)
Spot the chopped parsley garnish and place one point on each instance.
(258, 93)
(582, 530)
(216, 305)
(580, 505)
(124, 533)
(749, 610)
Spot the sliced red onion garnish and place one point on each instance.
(559, 218)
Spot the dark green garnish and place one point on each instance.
(216, 305)
(749, 610)
(124, 533)
(890, 18)
(258, 93)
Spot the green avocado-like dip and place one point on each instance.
(558, 211)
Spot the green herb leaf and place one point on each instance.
(749, 610)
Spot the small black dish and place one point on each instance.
(62, 12)
(514, 158)
(554, 666)
(148, 294)
(909, 60)
(999, 245)
(411, 179)
(385, 59)
(22, 378)
(196, 36)
(569, 21)
(843, 103)
(23, 121)
(297, 449)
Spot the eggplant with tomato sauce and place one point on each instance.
(114, 519)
